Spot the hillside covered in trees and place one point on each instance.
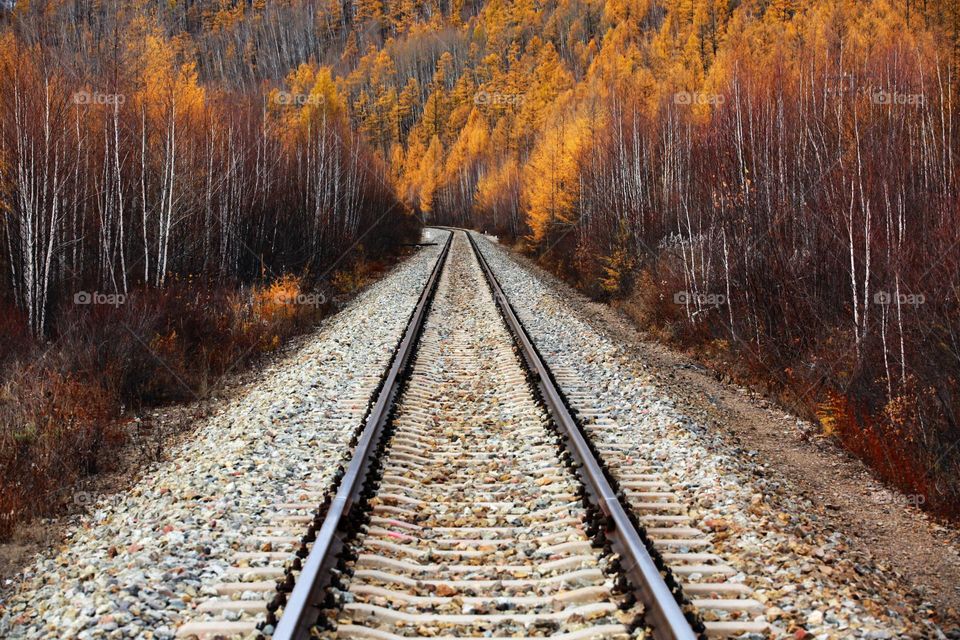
(771, 183)
(159, 229)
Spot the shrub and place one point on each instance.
(64, 405)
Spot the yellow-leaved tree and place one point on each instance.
(428, 175)
(310, 102)
(498, 196)
(551, 181)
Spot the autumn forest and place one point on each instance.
(769, 184)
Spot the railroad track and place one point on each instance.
(722, 600)
(473, 506)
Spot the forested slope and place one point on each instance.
(773, 183)
(161, 225)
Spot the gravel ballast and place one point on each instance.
(805, 573)
(476, 528)
(138, 562)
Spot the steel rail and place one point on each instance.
(663, 613)
(303, 604)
